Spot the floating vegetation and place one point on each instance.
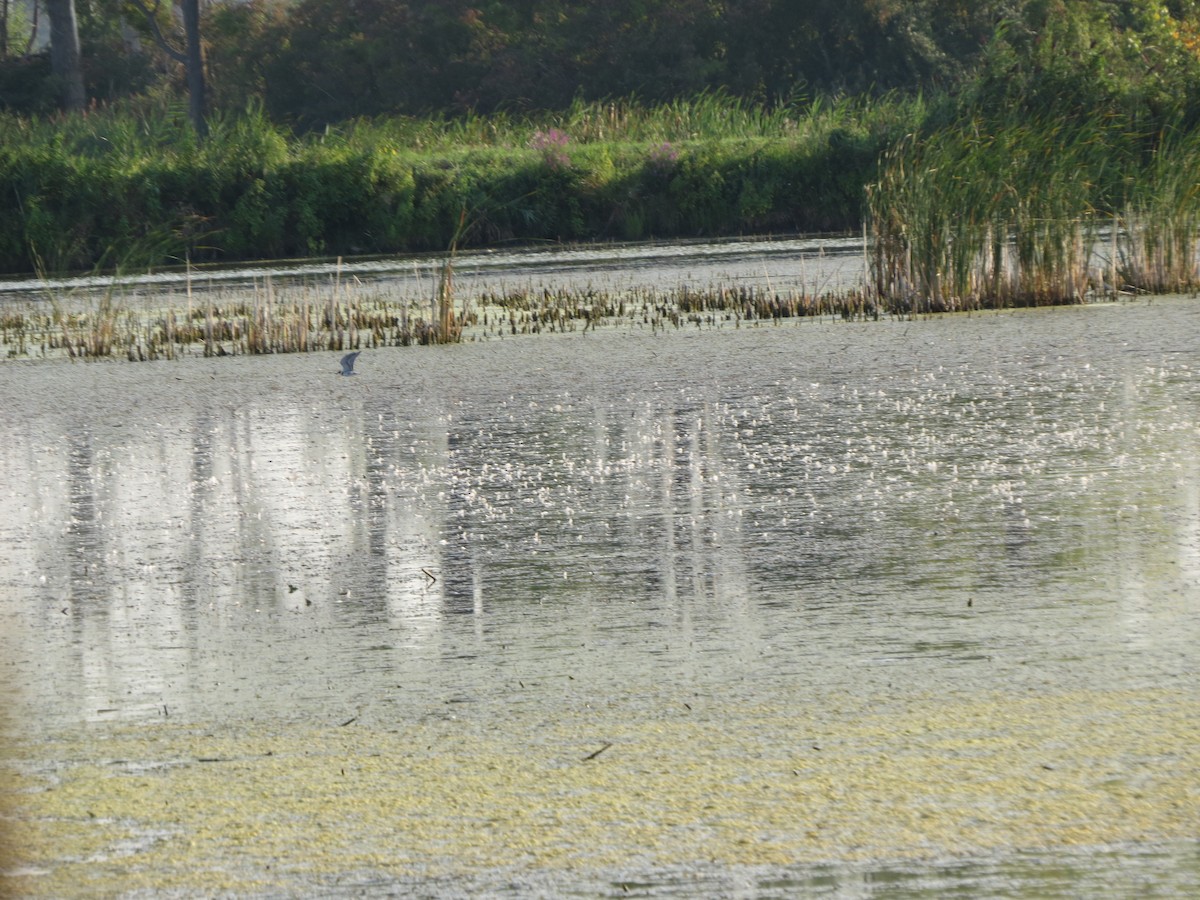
(348, 314)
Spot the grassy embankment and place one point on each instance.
(132, 188)
(988, 210)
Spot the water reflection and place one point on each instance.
(821, 263)
(828, 501)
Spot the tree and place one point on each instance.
(18, 28)
(65, 58)
(191, 56)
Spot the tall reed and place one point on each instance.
(448, 329)
(1161, 218)
(995, 214)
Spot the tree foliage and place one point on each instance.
(315, 62)
(1133, 59)
(347, 126)
(373, 56)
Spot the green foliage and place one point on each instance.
(312, 63)
(1161, 217)
(26, 84)
(1070, 58)
(326, 60)
(129, 186)
(986, 213)
(1081, 118)
(1058, 114)
(116, 63)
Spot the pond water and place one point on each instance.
(629, 573)
(813, 264)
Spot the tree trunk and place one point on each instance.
(65, 59)
(197, 102)
(192, 57)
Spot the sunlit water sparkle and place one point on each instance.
(1008, 499)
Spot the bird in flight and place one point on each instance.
(348, 363)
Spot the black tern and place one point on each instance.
(348, 363)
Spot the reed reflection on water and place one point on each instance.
(831, 502)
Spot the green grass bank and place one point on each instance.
(129, 187)
(965, 207)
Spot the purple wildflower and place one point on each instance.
(552, 145)
(662, 158)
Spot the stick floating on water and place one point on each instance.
(596, 753)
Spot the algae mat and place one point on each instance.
(632, 784)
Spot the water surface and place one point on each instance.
(618, 529)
